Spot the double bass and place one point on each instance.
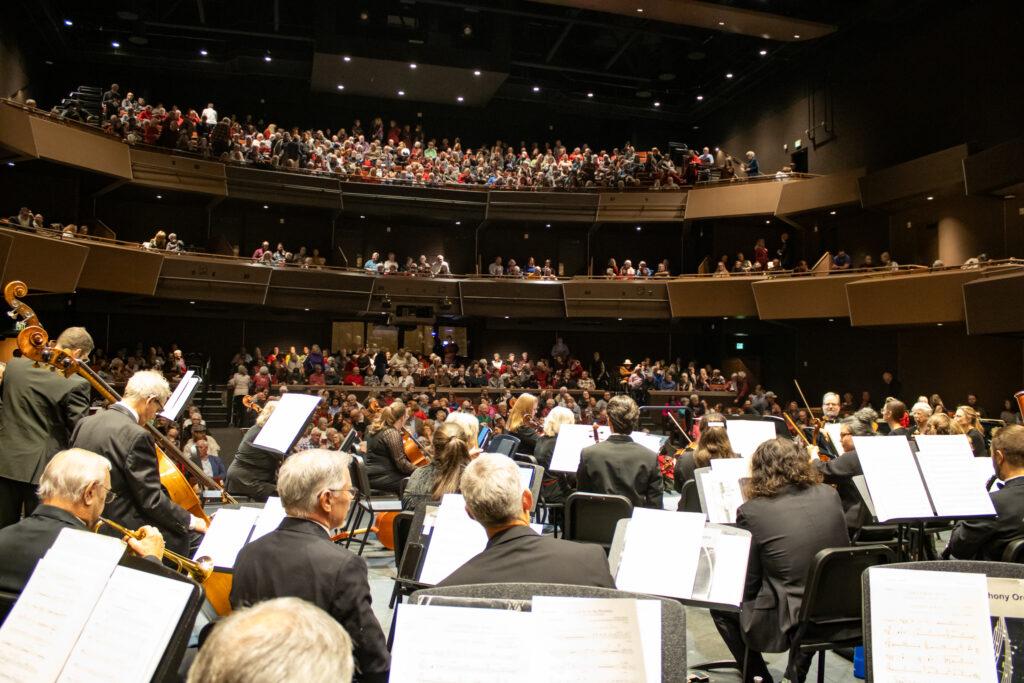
(34, 344)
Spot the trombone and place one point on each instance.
(199, 569)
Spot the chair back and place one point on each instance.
(360, 477)
(832, 592)
(516, 595)
(402, 485)
(591, 517)
(401, 526)
(1014, 552)
(690, 499)
(7, 601)
(506, 444)
(525, 458)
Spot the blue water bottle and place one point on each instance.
(858, 662)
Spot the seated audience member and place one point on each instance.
(73, 490)
(442, 474)
(521, 420)
(840, 471)
(299, 560)
(987, 538)
(619, 465)
(284, 640)
(516, 553)
(554, 487)
(496, 269)
(253, 471)
(841, 261)
(713, 443)
(893, 413)
(970, 422)
(212, 465)
(783, 493)
(386, 462)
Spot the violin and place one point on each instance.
(250, 403)
(817, 422)
(794, 427)
(34, 344)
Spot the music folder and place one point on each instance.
(232, 528)
(181, 395)
(286, 424)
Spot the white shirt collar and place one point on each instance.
(127, 407)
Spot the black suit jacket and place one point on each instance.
(298, 560)
(134, 475)
(23, 544)
(986, 539)
(253, 470)
(519, 554)
(787, 531)
(621, 466)
(39, 410)
(840, 472)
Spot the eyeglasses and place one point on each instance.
(352, 491)
(110, 496)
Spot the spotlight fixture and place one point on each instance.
(192, 302)
(341, 87)
(657, 104)
(638, 228)
(506, 317)
(203, 53)
(536, 88)
(401, 93)
(115, 44)
(548, 225)
(767, 221)
(700, 98)
(11, 164)
(412, 65)
(159, 196)
(68, 22)
(832, 212)
(721, 23)
(267, 57)
(306, 309)
(728, 75)
(590, 94)
(620, 320)
(363, 217)
(460, 98)
(763, 52)
(346, 58)
(796, 36)
(639, 10)
(476, 72)
(266, 206)
(929, 198)
(458, 222)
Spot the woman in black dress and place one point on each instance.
(386, 462)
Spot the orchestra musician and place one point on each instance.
(619, 465)
(299, 560)
(444, 472)
(791, 516)
(253, 470)
(521, 423)
(713, 443)
(987, 538)
(841, 471)
(495, 498)
(73, 489)
(39, 410)
(118, 435)
(893, 413)
(386, 461)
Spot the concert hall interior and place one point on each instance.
(619, 340)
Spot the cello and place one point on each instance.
(34, 344)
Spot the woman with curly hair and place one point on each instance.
(791, 516)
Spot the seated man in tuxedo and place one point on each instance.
(284, 639)
(619, 465)
(73, 488)
(299, 560)
(516, 553)
(987, 538)
(784, 492)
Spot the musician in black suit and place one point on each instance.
(117, 434)
(253, 470)
(619, 465)
(516, 553)
(841, 471)
(299, 560)
(73, 488)
(791, 516)
(38, 412)
(987, 538)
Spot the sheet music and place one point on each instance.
(722, 566)
(229, 530)
(454, 540)
(892, 477)
(930, 626)
(570, 441)
(441, 644)
(652, 442)
(287, 420)
(595, 640)
(834, 431)
(723, 493)
(180, 396)
(137, 608)
(949, 471)
(269, 519)
(649, 564)
(746, 435)
(526, 477)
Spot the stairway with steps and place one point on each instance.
(210, 401)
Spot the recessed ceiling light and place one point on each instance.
(68, 22)
(460, 98)
(768, 221)
(401, 93)
(620, 320)
(363, 217)
(939, 324)
(929, 198)
(721, 23)
(728, 75)
(115, 44)
(700, 98)
(341, 87)
(267, 58)
(266, 206)
(548, 225)
(696, 127)
(458, 222)
(832, 212)
(638, 228)
(192, 302)
(476, 72)
(203, 53)
(640, 10)
(590, 94)
(763, 52)
(536, 88)
(796, 36)
(346, 58)
(159, 196)
(657, 104)
(412, 65)
(305, 309)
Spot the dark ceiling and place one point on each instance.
(575, 57)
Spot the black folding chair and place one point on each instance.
(689, 500)
(506, 444)
(1014, 552)
(401, 527)
(591, 517)
(367, 504)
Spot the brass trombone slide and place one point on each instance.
(199, 569)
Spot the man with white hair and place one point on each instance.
(39, 410)
(277, 641)
(495, 498)
(73, 488)
(117, 434)
(299, 560)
